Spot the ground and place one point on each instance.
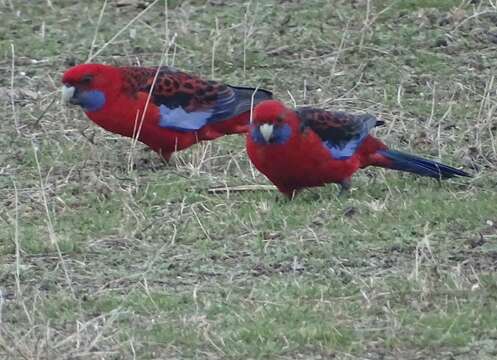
(108, 253)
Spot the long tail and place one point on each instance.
(244, 97)
(414, 164)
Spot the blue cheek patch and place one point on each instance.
(179, 119)
(256, 135)
(92, 100)
(281, 134)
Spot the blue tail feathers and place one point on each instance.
(418, 165)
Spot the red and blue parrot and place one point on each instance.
(164, 108)
(309, 147)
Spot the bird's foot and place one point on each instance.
(166, 159)
(345, 187)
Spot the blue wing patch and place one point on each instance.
(225, 106)
(342, 150)
(190, 112)
(179, 119)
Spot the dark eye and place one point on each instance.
(279, 119)
(86, 80)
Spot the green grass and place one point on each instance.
(423, 4)
(149, 264)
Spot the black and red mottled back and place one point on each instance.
(342, 132)
(336, 126)
(173, 87)
(188, 102)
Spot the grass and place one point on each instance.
(102, 260)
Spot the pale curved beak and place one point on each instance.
(67, 93)
(266, 131)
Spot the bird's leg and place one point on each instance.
(289, 194)
(165, 157)
(345, 187)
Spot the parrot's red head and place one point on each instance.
(91, 85)
(273, 123)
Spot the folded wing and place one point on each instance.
(342, 133)
(187, 102)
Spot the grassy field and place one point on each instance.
(107, 253)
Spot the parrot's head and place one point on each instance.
(90, 85)
(272, 123)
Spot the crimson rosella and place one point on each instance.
(311, 147)
(165, 108)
